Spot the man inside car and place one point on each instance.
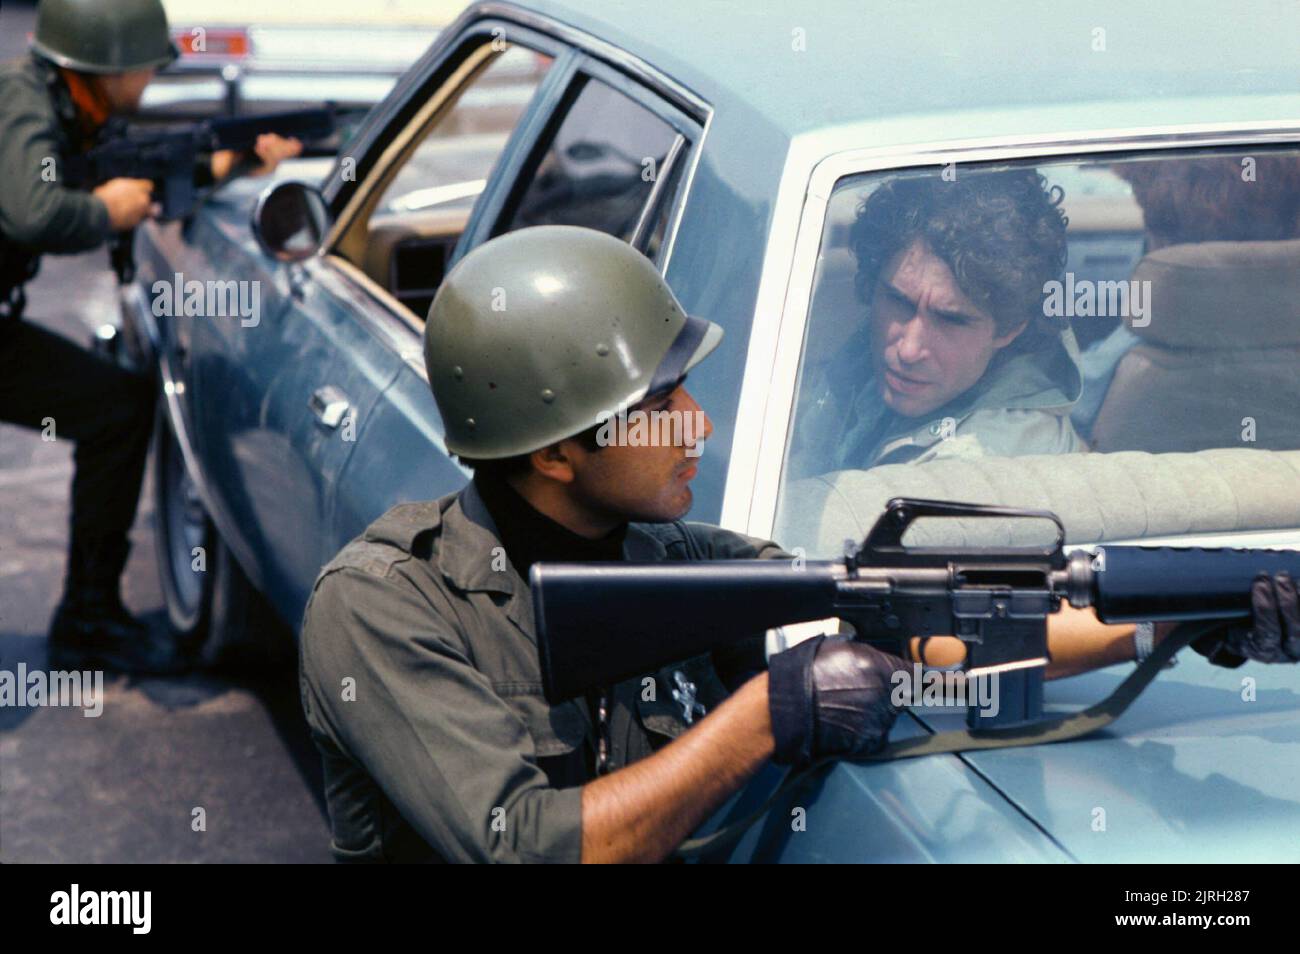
(955, 355)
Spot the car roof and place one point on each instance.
(873, 60)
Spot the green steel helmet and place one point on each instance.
(543, 333)
(103, 36)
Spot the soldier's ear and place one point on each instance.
(554, 462)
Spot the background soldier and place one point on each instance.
(420, 674)
(90, 59)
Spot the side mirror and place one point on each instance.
(290, 221)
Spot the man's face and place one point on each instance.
(643, 482)
(929, 342)
(124, 90)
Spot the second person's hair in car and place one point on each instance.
(1217, 198)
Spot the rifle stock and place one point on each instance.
(584, 609)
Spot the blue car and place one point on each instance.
(752, 153)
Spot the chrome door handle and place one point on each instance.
(330, 405)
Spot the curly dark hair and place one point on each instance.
(1002, 233)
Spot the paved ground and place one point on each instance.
(123, 787)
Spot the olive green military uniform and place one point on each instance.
(421, 683)
(44, 377)
(37, 213)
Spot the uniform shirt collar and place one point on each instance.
(529, 536)
(470, 534)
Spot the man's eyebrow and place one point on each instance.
(654, 402)
(897, 292)
(947, 314)
(962, 317)
(662, 398)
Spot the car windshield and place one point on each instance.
(1115, 339)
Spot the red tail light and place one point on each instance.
(202, 42)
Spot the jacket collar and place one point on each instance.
(60, 96)
(469, 537)
(1048, 377)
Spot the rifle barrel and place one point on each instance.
(1136, 584)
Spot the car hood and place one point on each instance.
(1204, 766)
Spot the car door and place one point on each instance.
(277, 396)
(314, 372)
(294, 399)
(593, 149)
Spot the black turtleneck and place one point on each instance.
(529, 536)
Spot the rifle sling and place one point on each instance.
(1046, 731)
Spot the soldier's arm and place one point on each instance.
(271, 149)
(37, 209)
(645, 810)
(460, 764)
(1077, 641)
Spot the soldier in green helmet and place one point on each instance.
(90, 59)
(420, 676)
(419, 667)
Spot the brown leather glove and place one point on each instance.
(1272, 635)
(830, 696)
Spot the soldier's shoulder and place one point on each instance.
(24, 94)
(394, 538)
(667, 535)
(385, 581)
(22, 75)
(692, 540)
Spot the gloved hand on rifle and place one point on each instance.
(1272, 635)
(830, 696)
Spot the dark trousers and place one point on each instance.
(108, 412)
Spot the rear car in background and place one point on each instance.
(244, 54)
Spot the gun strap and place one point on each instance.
(1063, 729)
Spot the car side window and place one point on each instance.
(416, 205)
(1100, 306)
(598, 167)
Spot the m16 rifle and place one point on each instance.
(599, 623)
(170, 157)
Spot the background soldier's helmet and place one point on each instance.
(103, 36)
(543, 333)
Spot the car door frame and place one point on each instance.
(573, 50)
(391, 116)
(688, 121)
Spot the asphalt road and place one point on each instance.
(123, 787)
